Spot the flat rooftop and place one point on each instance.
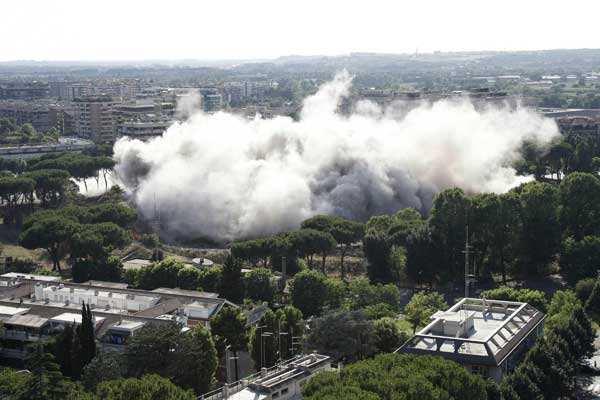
(136, 263)
(493, 328)
(73, 318)
(184, 292)
(108, 285)
(126, 325)
(7, 311)
(18, 275)
(26, 321)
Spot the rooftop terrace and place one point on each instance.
(476, 330)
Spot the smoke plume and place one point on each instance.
(223, 176)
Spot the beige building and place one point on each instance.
(94, 118)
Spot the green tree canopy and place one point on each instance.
(230, 329)
(534, 297)
(387, 335)
(422, 306)
(232, 286)
(579, 209)
(51, 233)
(343, 335)
(580, 259)
(147, 387)
(309, 292)
(259, 285)
(399, 376)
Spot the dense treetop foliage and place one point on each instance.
(394, 376)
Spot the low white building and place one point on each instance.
(94, 297)
(61, 320)
(488, 337)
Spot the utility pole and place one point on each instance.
(262, 347)
(281, 341)
(260, 327)
(467, 275)
(227, 366)
(155, 223)
(283, 273)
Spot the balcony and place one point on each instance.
(13, 353)
(21, 335)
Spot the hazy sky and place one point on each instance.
(219, 29)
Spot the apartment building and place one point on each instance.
(94, 118)
(34, 308)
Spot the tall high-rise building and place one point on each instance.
(94, 118)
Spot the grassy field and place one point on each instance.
(15, 251)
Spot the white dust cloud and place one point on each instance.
(223, 176)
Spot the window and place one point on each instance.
(284, 391)
(275, 395)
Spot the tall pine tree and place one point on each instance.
(232, 286)
(86, 336)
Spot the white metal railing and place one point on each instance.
(243, 383)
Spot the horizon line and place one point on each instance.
(274, 58)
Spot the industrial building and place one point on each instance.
(34, 308)
(488, 337)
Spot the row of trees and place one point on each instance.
(84, 233)
(257, 285)
(574, 151)
(46, 179)
(519, 233)
(79, 166)
(319, 237)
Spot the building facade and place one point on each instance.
(34, 308)
(94, 118)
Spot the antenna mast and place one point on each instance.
(156, 218)
(467, 275)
